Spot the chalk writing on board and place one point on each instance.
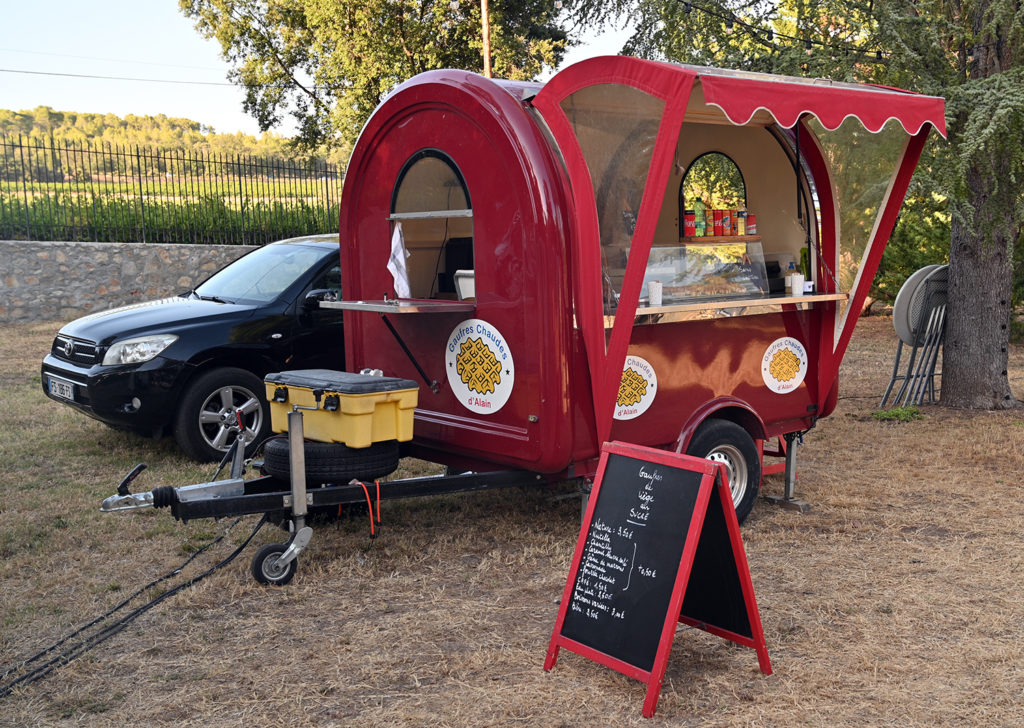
(608, 565)
(638, 570)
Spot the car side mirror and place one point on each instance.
(314, 297)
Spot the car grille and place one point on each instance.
(78, 351)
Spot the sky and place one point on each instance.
(142, 57)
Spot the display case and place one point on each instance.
(706, 271)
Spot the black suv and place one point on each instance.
(188, 363)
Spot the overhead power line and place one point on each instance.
(768, 35)
(132, 61)
(151, 80)
(115, 78)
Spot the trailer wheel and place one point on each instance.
(728, 443)
(332, 462)
(264, 568)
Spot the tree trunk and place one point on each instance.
(984, 231)
(977, 333)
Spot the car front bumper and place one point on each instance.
(140, 397)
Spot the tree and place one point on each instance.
(971, 52)
(328, 63)
(988, 122)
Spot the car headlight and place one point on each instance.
(136, 351)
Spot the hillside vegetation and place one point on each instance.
(163, 132)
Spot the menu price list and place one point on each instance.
(636, 533)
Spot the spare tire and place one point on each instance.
(333, 462)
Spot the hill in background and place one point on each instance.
(162, 132)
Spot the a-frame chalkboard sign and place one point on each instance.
(659, 544)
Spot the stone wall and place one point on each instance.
(45, 281)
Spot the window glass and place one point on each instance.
(329, 280)
(438, 244)
(616, 127)
(430, 181)
(713, 182)
(862, 166)
(262, 275)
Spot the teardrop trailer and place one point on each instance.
(503, 248)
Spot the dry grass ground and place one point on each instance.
(895, 601)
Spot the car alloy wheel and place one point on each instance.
(207, 415)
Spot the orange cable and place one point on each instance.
(377, 482)
(369, 505)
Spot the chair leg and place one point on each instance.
(893, 379)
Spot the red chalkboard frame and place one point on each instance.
(713, 483)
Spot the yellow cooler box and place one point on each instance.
(355, 409)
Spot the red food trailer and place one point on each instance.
(562, 203)
(528, 255)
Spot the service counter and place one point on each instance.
(723, 307)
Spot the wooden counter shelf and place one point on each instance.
(750, 306)
(716, 239)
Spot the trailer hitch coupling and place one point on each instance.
(166, 496)
(124, 500)
(129, 502)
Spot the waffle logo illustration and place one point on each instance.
(637, 389)
(477, 367)
(632, 389)
(481, 370)
(784, 365)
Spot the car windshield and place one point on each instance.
(261, 276)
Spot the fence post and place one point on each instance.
(241, 197)
(142, 198)
(24, 189)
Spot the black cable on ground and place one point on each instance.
(124, 603)
(109, 631)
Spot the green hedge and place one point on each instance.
(113, 218)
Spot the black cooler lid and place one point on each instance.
(340, 382)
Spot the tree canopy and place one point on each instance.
(328, 63)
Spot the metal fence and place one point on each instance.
(52, 190)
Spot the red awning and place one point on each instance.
(740, 96)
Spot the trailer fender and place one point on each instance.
(723, 408)
(727, 434)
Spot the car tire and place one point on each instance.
(728, 443)
(333, 462)
(201, 426)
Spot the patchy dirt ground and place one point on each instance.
(895, 601)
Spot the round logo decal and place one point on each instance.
(784, 365)
(637, 389)
(480, 367)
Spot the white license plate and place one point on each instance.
(61, 388)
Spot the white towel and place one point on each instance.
(396, 263)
